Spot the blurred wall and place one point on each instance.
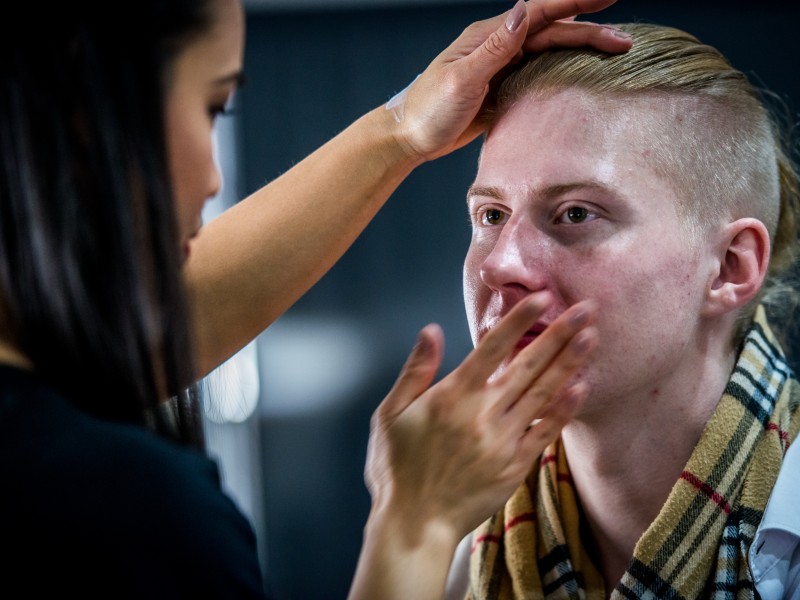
(329, 361)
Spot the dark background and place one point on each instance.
(310, 73)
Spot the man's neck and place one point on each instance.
(625, 461)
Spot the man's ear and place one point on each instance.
(744, 252)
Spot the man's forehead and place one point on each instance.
(554, 142)
(576, 137)
(640, 112)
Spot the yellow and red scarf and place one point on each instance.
(697, 546)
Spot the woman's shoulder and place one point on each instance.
(115, 493)
(41, 429)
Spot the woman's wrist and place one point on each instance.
(412, 528)
(404, 555)
(393, 139)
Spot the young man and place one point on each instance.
(654, 184)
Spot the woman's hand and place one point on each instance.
(453, 453)
(442, 459)
(438, 112)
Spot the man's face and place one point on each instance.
(566, 201)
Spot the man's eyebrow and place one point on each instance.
(486, 192)
(553, 191)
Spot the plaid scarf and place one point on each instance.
(697, 546)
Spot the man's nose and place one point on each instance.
(517, 262)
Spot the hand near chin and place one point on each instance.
(438, 113)
(444, 458)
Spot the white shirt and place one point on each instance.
(458, 580)
(775, 553)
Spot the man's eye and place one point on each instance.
(493, 216)
(576, 214)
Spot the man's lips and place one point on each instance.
(526, 338)
(530, 335)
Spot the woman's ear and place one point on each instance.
(744, 253)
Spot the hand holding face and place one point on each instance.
(439, 110)
(449, 455)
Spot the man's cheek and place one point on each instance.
(473, 305)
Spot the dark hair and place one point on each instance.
(90, 284)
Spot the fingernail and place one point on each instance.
(617, 32)
(516, 16)
(422, 344)
(537, 303)
(579, 317)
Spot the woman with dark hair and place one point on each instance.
(112, 305)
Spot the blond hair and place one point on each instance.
(723, 150)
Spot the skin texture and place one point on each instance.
(566, 217)
(567, 204)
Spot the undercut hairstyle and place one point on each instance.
(721, 143)
(90, 261)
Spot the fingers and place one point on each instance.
(539, 371)
(418, 372)
(499, 342)
(537, 400)
(535, 360)
(534, 27)
(545, 12)
(442, 109)
(502, 39)
(532, 361)
(543, 433)
(572, 34)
